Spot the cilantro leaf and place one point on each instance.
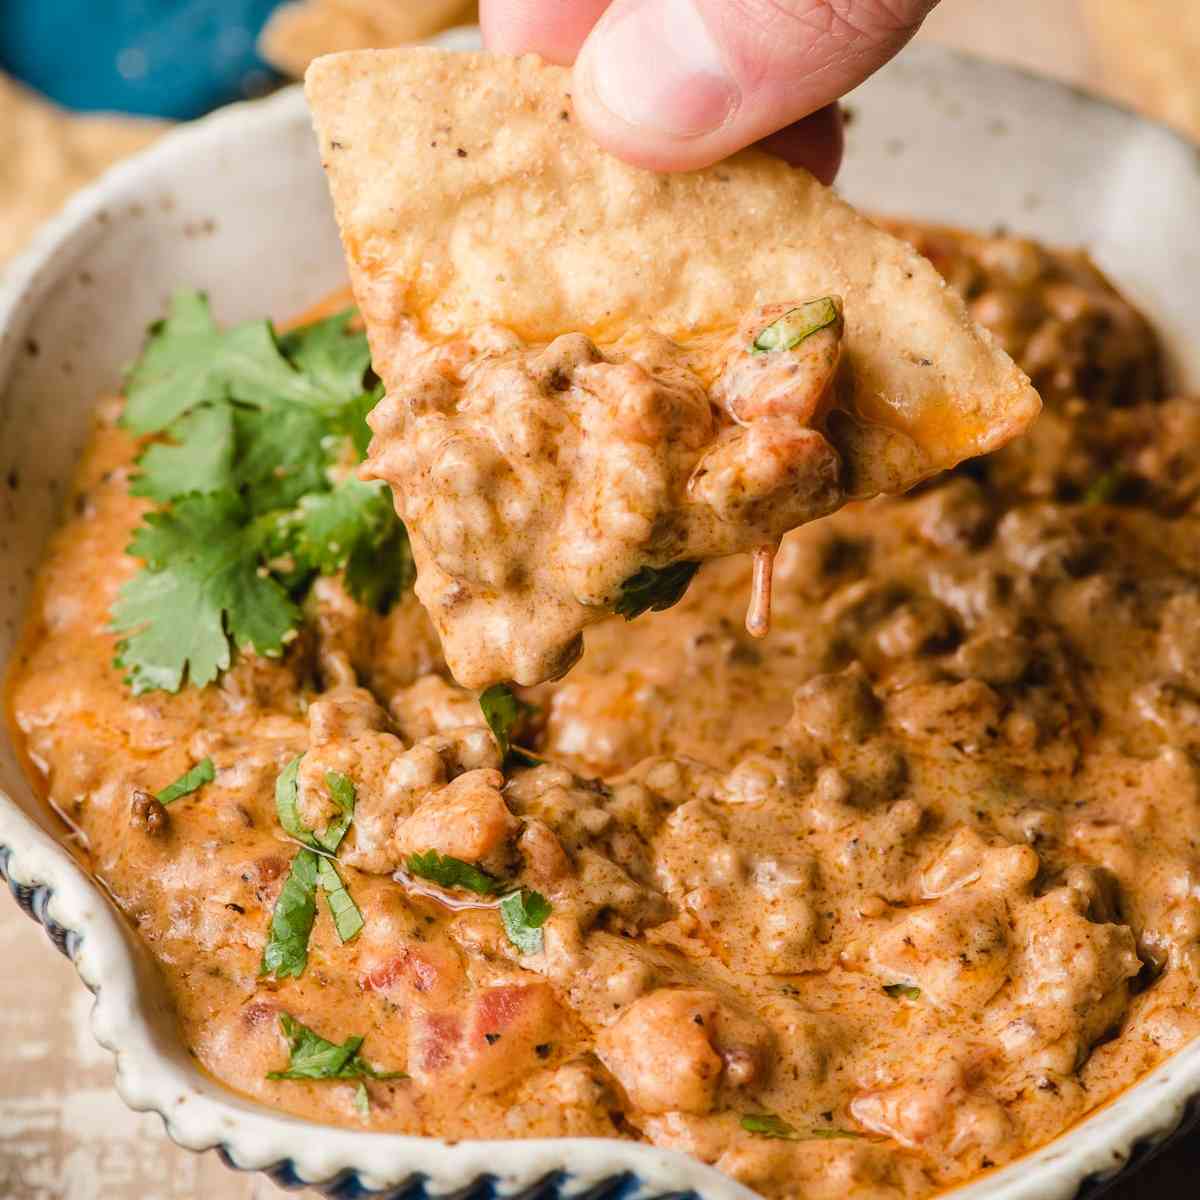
(797, 325)
(313, 1057)
(342, 789)
(347, 917)
(523, 915)
(334, 356)
(188, 782)
(282, 454)
(503, 713)
(202, 589)
(199, 457)
(769, 1125)
(287, 801)
(898, 990)
(176, 370)
(654, 589)
(188, 361)
(351, 419)
(335, 524)
(286, 951)
(378, 575)
(346, 913)
(450, 872)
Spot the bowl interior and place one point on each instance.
(237, 206)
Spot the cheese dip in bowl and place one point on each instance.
(870, 908)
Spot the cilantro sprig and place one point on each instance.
(190, 781)
(257, 437)
(902, 991)
(286, 951)
(653, 589)
(313, 1057)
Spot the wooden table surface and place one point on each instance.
(64, 1134)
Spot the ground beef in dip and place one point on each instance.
(911, 883)
(540, 483)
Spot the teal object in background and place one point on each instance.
(163, 58)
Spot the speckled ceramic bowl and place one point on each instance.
(236, 205)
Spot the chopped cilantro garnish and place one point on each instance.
(188, 782)
(287, 798)
(286, 952)
(902, 990)
(450, 872)
(257, 433)
(769, 1125)
(362, 1102)
(654, 589)
(341, 788)
(796, 325)
(347, 917)
(524, 914)
(312, 1057)
(504, 713)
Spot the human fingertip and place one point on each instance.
(551, 28)
(652, 86)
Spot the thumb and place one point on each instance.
(679, 84)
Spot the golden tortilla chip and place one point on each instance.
(600, 377)
(1150, 50)
(466, 193)
(46, 154)
(299, 32)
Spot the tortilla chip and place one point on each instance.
(299, 32)
(1150, 51)
(466, 192)
(47, 153)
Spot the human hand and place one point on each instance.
(679, 84)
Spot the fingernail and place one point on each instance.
(655, 65)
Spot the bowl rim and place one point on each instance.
(199, 1114)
